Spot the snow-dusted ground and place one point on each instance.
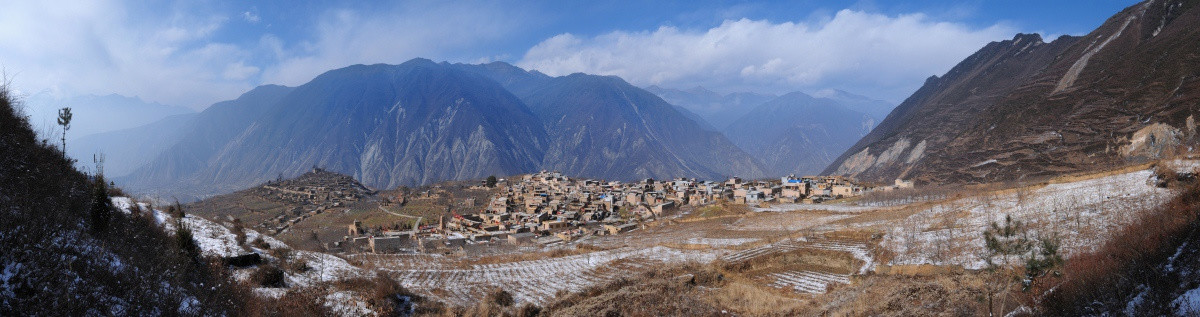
(947, 232)
(807, 281)
(214, 239)
(1081, 213)
(720, 242)
(822, 207)
(857, 249)
(534, 281)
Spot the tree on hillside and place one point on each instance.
(101, 210)
(64, 119)
(491, 181)
(1010, 241)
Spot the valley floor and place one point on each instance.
(787, 253)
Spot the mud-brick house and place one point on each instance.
(659, 209)
(389, 244)
(521, 238)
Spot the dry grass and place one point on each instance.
(531, 256)
(801, 259)
(962, 294)
(716, 211)
(1106, 279)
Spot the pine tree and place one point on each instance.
(64, 119)
(101, 210)
(491, 181)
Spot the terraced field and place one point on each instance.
(858, 249)
(807, 281)
(534, 281)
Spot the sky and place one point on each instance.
(196, 52)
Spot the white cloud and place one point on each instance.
(250, 17)
(884, 56)
(101, 47)
(432, 30)
(175, 54)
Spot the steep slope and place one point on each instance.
(798, 134)
(606, 128)
(64, 251)
(96, 114)
(1024, 108)
(719, 110)
(386, 125)
(601, 126)
(877, 109)
(169, 171)
(128, 149)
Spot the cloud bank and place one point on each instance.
(882, 56)
(194, 54)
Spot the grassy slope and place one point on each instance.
(55, 263)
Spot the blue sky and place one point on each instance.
(194, 53)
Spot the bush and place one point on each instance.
(501, 297)
(268, 276)
(187, 243)
(239, 230)
(260, 243)
(102, 207)
(1130, 264)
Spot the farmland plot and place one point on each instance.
(1080, 213)
(807, 281)
(535, 281)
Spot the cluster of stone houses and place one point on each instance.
(548, 208)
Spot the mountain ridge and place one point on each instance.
(1025, 108)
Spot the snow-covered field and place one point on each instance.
(820, 207)
(859, 250)
(1081, 213)
(807, 281)
(534, 281)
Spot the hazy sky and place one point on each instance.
(193, 53)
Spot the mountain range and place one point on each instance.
(421, 122)
(1021, 108)
(797, 133)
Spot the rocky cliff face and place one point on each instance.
(387, 125)
(1023, 107)
(798, 134)
(172, 172)
(601, 126)
(604, 127)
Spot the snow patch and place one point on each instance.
(1187, 304)
(1069, 78)
(991, 161)
(346, 303)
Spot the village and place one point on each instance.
(313, 193)
(548, 209)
